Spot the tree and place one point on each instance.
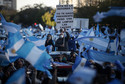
(30, 15)
(48, 18)
(8, 14)
(86, 12)
(90, 10)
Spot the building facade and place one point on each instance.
(11, 4)
(1, 2)
(80, 3)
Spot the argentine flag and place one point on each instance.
(38, 42)
(83, 76)
(90, 32)
(15, 42)
(97, 42)
(8, 26)
(17, 78)
(38, 58)
(105, 57)
(27, 50)
(97, 30)
(79, 63)
(28, 32)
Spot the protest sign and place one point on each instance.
(64, 16)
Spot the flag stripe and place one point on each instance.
(43, 63)
(25, 49)
(18, 44)
(98, 43)
(17, 78)
(39, 42)
(105, 57)
(34, 55)
(16, 47)
(83, 60)
(10, 28)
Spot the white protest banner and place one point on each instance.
(64, 16)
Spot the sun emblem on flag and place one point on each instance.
(91, 39)
(82, 64)
(83, 44)
(13, 51)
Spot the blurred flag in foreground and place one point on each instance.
(83, 76)
(79, 63)
(17, 78)
(115, 81)
(40, 59)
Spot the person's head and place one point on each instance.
(19, 63)
(84, 48)
(49, 36)
(91, 61)
(56, 60)
(106, 64)
(61, 36)
(73, 54)
(61, 31)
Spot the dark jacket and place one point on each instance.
(58, 44)
(61, 41)
(50, 42)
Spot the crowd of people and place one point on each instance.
(106, 72)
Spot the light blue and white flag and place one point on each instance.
(105, 57)
(19, 47)
(84, 32)
(40, 43)
(8, 26)
(98, 17)
(79, 63)
(97, 30)
(113, 12)
(17, 78)
(15, 42)
(97, 42)
(38, 58)
(83, 76)
(90, 32)
(28, 32)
